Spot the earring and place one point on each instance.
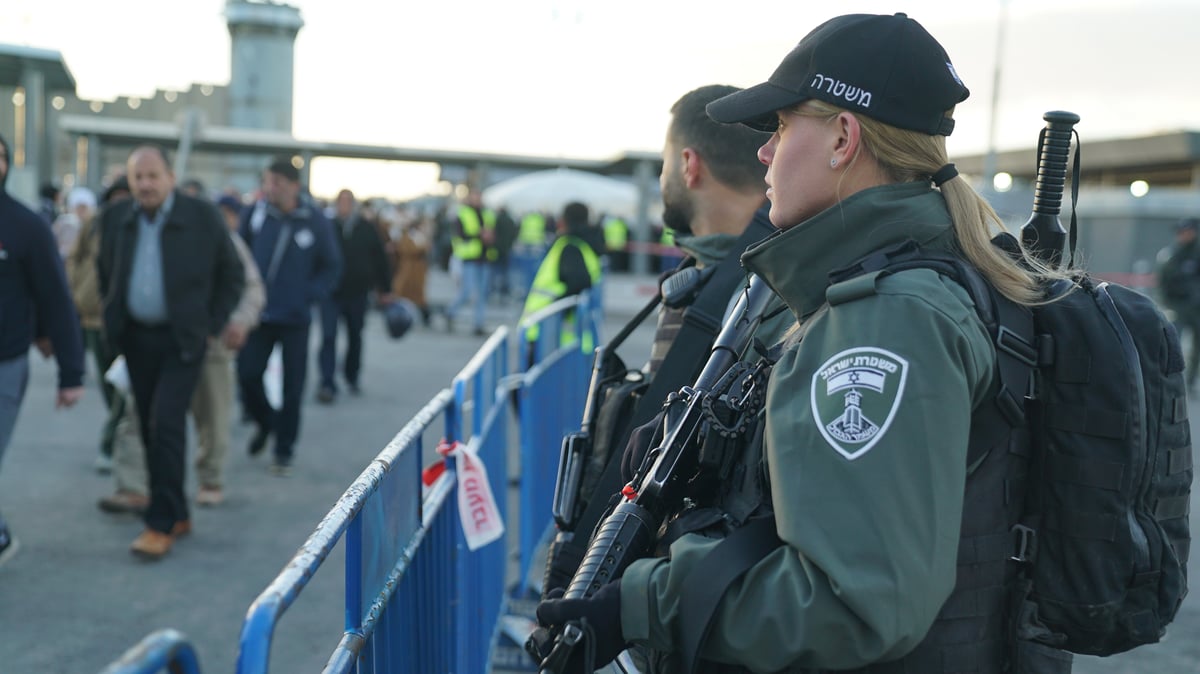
(833, 163)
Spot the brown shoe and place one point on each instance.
(210, 496)
(182, 528)
(124, 502)
(152, 545)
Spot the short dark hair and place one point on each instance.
(575, 216)
(193, 183)
(729, 150)
(283, 166)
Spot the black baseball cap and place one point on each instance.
(886, 67)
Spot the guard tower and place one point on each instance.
(262, 38)
(262, 64)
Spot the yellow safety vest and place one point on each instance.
(616, 234)
(547, 287)
(668, 237)
(533, 230)
(469, 246)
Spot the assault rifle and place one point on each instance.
(723, 400)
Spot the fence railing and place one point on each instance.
(551, 399)
(394, 515)
(164, 650)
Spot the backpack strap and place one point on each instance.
(1009, 324)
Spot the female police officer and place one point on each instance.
(870, 408)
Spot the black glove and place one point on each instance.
(600, 619)
(641, 440)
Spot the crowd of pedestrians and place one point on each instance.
(180, 298)
(183, 298)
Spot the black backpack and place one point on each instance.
(1104, 533)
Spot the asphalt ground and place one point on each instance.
(73, 599)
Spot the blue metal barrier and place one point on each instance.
(395, 522)
(552, 394)
(162, 650)
(417, 599)
(481, 579)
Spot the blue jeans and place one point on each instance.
(14, 376)
(284, 423)
(474, 286)
(526, 259)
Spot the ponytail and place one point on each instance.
(912, 156)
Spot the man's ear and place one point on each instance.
(692, 167)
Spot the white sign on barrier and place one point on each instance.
(481, 520)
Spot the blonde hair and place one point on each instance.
(913, 156)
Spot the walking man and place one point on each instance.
(473, 235)
(295, 249)
(169, 277)
(365, 266)
(34, 299)
(212, 406)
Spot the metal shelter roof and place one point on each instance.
(15, 59)
(260, 141)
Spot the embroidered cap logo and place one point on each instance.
(840, 89)
(855, 395)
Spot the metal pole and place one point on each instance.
(183, 153)
(989, 160)
(643, 174)
(95, 161)
(34, 83)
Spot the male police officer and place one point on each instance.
(713, 196)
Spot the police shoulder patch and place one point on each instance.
(855, 395)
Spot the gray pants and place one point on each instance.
(129, 456)
(14, 375)
(212, 410)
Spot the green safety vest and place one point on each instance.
(547, 287)
(533, 230)
(616, 234)
(469, 246)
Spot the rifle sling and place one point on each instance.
(708, 581)
(683, 361)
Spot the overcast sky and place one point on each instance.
(592, 78)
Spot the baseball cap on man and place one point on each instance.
(229, 202)
(885, 67)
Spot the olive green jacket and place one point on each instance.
(866, 438)
(711, 249)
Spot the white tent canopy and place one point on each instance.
(549, 191)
